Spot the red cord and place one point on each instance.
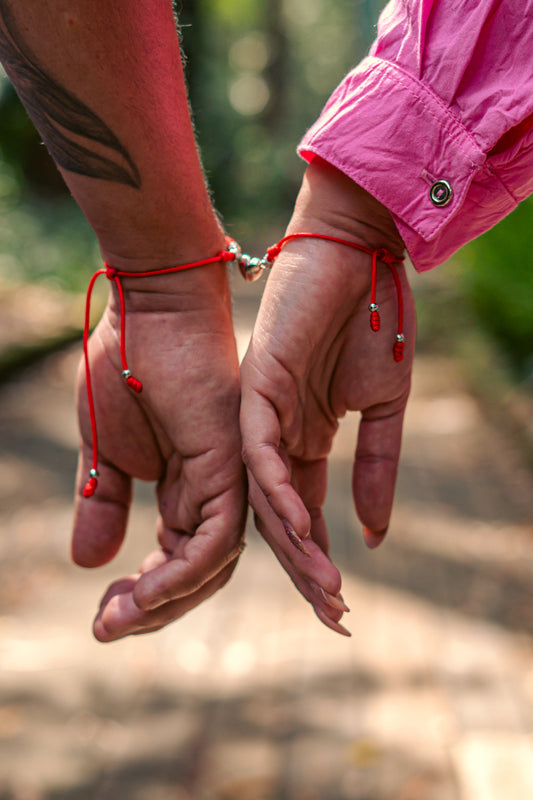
(232, 253)
(115, 275)
(375, 320)
(381, 254)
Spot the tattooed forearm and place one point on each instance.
(77, 138)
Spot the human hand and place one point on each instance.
(312, 358)
(181, 432)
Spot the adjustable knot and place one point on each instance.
(226, 255)
(110, 272)
(132, 382)
(386, 256)
(273, 252)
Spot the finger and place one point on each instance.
(309, 479)
(120, 616)
(328, 606)
(375, 470)
(100, 521)
(261, 435)
(195, 561)
(302, 567)
(331, 623)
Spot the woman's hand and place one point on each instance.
(312, 358)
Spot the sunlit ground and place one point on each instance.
(250, 696)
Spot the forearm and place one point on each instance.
(103, 83)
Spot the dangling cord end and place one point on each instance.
(399, 345)
(375, 320)
(90, 487)
(132, 382)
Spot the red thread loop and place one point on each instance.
(380, 254)
(114, 274)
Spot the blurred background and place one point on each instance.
(249, 697)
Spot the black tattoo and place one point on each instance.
(69, 128)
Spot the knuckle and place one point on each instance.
(248, 455)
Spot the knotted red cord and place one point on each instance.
(232, 253)
(115, 275)
(381, 254)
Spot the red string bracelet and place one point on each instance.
(252, 269)
(231, 252)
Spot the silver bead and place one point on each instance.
(373, 307)
(93, 473)
(400, 337)
(251, 268)
(126, 373)
(233, 247)
(255, 269)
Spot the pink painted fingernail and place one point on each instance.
(295, 539)
(342, 630)
(373, 538)
(334, 601)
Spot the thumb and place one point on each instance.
(262, 455)
(100, 521)
(374, 472)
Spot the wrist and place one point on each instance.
(331, 203)
(161, 246)
(196, 281)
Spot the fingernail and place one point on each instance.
(295, 539)
(342, 630)
(334, 601)
(373, 538)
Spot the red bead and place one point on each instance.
(398, 351)
(90, 487)
(134, 384)
(375, 321)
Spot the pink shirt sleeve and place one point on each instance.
(437, 122)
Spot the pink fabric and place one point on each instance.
(444, 82)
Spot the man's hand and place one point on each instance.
(181, 432)
(312, 358)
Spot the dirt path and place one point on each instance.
(249, 697)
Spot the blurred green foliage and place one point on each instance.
(497, 277)
(258, 71)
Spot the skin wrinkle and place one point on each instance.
(287, 392)
(288, 441)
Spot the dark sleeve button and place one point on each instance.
(440, 193)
